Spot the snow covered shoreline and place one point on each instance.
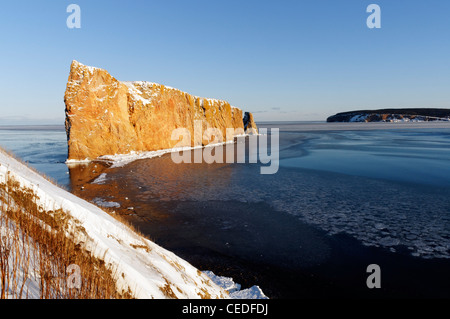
(120, 160)
(144, 267)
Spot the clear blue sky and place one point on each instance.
(282, 60)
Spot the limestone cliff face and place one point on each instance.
(105, 116)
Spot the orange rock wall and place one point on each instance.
(105, 116)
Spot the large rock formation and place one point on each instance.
(105, 116)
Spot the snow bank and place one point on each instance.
(147, 269)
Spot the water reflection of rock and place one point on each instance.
(83, 173)
(400, 217)
(140, 187)
(83, 179)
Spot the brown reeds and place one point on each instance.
(39, 246)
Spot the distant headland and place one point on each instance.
(393, 115)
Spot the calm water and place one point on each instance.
(345, 196)
(43, 147)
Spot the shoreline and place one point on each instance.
(119, 160)
(317, 279)
(353, 126)
(140, 267)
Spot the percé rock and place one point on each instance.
(106, 117)
(393, 115)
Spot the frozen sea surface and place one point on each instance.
(42, 147)
(387, 188)
(387, 185)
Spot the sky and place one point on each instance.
(282, 60)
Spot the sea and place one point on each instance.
(345, 196)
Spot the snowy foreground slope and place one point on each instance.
(144, 267)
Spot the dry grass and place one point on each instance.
(204, 294)
(167, 290)
(144, 247)
(39, 245)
